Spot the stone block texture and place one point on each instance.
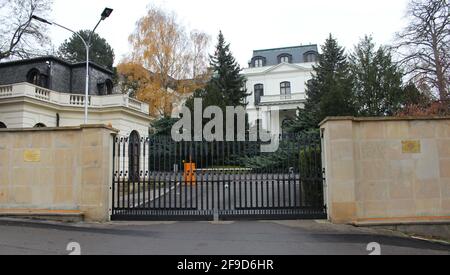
(370, 176)
(73, 171)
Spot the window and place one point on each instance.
(310, 57)
(40, 125)
(284, 58)
(134, 156)
(259, 92)
(105, 88)
(109, 87)
(33, 77)
(2, 125)
(285, 88)
(259, 61)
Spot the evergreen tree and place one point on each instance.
(163, 126)
(413, 96)
(329, 92)
(227, 78)
(100, 51)
(377, 80)
(226, 86)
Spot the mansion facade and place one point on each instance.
(276, 82)
(50, 92)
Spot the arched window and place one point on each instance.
(285, 58)
(285, 88)
(40, 125)
(310, 57)
(105, 88)
(109, 87)
(259, 92)
(134, 156)
(2, 125)
(34, 77)
(259, 61)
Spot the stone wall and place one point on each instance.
(57, 169)
(387, 169)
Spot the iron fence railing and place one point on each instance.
(158, 178)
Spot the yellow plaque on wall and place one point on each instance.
(411, 147)
(32, 155)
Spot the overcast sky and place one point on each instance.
(247, 24)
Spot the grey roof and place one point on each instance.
(297, 53)
(56, 59)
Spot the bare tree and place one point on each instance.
(166, 62)
(200, 43)
(21, 37)
(424, 45)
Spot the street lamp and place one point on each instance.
(105, 14)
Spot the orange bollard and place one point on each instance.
(189, 173)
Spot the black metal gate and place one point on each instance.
(217, 180)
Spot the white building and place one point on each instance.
(49, 92)
(276, 80)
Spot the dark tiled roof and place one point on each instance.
(56, 59)
(297, 53)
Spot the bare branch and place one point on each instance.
(424, 44)
(170, 57)
(24, 36)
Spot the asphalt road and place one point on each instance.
(221, 191)
(202, 238)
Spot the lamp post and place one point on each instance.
(105, 14)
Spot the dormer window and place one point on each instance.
(35, 77)
(105, 88)
(259, 62)
(109, 87)
(285, 58)
(310, 57)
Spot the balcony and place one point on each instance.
(282, 99)
(71, 100)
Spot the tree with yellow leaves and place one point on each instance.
(166, 63)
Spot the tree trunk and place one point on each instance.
(441, 83)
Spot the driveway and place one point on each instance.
(203, 238)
